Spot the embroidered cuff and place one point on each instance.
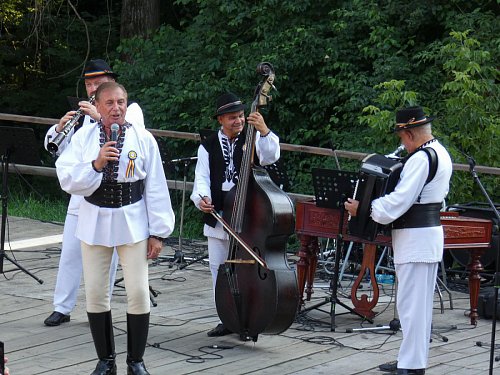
(263, 136)
(94, 168)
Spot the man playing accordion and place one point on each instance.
(412, 209)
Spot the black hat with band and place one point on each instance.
(411, 117)
(227, 103)
(98, 67)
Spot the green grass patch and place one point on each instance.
(38, 209)
(36, 197)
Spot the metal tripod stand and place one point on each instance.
(179, 254)
(10, 142)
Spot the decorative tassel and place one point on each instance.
(132, 155)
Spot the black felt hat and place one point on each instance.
(98, 67)
(411, 117)
(227, 103)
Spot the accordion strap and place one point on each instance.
(433, 165)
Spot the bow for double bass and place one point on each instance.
(242, 243)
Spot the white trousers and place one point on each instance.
(218, 251)
(96, 262)
(415, 297)
(69, 274)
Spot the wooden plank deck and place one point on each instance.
(178, 343)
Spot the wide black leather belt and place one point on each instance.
(419, 216)
(115, 195)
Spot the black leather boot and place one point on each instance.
(137, 337)
(101, 327)
(403, 371)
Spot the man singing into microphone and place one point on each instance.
(69, 273)
(126, 205)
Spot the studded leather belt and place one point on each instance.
(419, 216)
(115, 194)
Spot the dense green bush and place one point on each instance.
(342, 69)
(332, 60)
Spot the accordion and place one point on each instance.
(377, 177)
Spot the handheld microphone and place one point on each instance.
(114, 132)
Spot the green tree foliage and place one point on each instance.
(332, 59)
(43, 46)
(468, 111)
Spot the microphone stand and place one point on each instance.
(179, 255)
(472, 164)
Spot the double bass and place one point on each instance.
(257, 293)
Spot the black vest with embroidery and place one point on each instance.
(217, 170)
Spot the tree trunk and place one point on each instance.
(139, 18)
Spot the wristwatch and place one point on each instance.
(161, 239)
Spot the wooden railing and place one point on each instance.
(173, 184)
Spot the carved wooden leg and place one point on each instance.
(475, 267)
(303, 265)
(313, 263)
(362, 306)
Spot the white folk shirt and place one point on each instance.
(133, 116)
(268, 152)
(152, 215)
(416, 244)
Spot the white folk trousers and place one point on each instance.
(415, 296)
(69, 274)
(133, 258)
(218, 251)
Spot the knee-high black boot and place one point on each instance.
(101, 326)
(137, 337)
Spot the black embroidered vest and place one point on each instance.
(217, 169)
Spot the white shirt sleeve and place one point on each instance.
(267, 148)
(201, 184)
(135, 116)
(74, 167)
(161, 217)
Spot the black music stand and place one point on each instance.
(333, 186)
(278, 175)
(169, 169)
(17, 145)
(331, 189)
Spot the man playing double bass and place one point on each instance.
(217, 168)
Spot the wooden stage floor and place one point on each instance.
(178, 343)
